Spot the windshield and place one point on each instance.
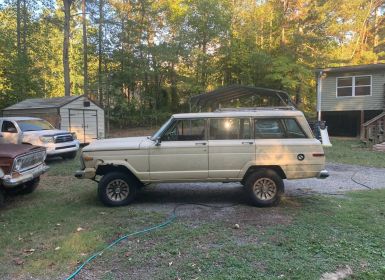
(160, 131)
(34, 125)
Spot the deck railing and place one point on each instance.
(373, 131)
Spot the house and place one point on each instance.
(351, 99)
(73, 113)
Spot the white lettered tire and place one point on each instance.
(117, 189)
(265, 187)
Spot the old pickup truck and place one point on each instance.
(20, 168)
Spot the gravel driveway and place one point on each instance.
(340, 181)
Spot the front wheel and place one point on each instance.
(2, 198)
(30, 186)
(117, 189)
(265, 187)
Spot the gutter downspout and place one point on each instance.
(319, 94)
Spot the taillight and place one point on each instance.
(318, 155)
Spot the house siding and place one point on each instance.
(330, 102)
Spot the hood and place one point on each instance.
(128, 143)
(14, 150)
(50, 132)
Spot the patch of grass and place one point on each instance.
(353, 152)
(301, 239)
(326, 233)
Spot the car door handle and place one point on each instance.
(249, 143)
(200, 144)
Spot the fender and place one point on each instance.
(142, 176)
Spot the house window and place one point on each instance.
(354, 86)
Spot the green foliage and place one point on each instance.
(155, 55)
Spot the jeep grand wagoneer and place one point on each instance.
(258, 148)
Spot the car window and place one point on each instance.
(230, 128)
(293, 130)
(269, 129)
(34, 125)
(186, 130)
(8, 127)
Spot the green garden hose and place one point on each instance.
(167, 222)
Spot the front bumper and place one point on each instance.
(88, 173)
(12, 181)
(323, 174)
(61, 148)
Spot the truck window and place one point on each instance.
(230, 128)
(269, 129)
(186, 130)
(8, 127)
(293, 130)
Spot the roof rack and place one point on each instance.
(289, 108)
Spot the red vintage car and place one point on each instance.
(20, 168)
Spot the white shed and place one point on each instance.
(73, 113)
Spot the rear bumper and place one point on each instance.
(87, 173)
(323, 174)
(12, 181)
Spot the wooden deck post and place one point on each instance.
(362, 121)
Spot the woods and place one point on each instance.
(143, 58)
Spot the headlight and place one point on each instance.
(18, 163)
(46, 139)
(74, 135)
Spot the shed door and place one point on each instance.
(84, 123)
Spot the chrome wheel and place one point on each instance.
(265, 188)
(117, 190)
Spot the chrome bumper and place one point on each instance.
(9, 181)
(323, 174)
(88, 173)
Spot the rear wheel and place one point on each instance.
(265, 187)
(30, 186)
(117, 189)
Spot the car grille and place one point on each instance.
(64, 138)
(30, 160)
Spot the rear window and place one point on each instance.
(276, 128)
(269, 129)
(293, 130)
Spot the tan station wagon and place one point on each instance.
(257, 147)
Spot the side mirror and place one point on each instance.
(158, 141)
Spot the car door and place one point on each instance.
(182, 153)
(9, 133)
(231, 147)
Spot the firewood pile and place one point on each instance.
(379, 147)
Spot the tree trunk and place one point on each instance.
(18, 27)
(85, 51)
(100, 51)
(66, 41)
(24, 28)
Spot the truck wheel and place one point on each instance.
(117, 189)
(265, 187)
(2, 198)
(70, 155)
(30, 186)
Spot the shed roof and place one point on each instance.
(352, 68)
(42, 103)
(228, 93)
